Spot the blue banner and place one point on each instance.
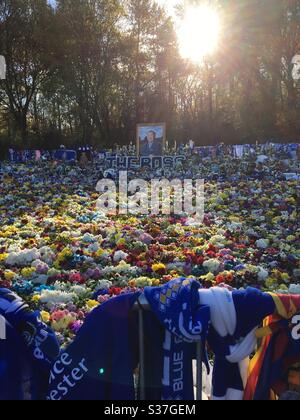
(65, 155)
(23, 156)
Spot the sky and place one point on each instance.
(168, 4)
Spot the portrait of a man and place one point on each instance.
(151, 139)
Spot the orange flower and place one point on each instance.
(220, 279)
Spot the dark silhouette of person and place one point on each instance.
(152, 146)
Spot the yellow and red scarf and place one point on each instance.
(287, 306)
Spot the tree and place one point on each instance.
(26, 40)
(89, 70)
(89, 62)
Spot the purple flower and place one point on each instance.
(75, 326)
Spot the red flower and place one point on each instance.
(212, 248)
(227, 279)
(211, 254)
(76, 278)
(272, 251)
(220, 279)
(207, 221)
(166, 279)
(141, 264)
(5, 284)
(115, 291)
(200, 260)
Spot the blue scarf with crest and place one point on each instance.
(177, 307)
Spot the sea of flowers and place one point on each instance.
(64, 257)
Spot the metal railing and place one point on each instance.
(141, 306)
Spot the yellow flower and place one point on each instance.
(234, 219)
(283, 287)
(209, 277)
(45, 316)
(291, 201)
(9, 275)
(3, 257)
(100, 252)
(121, 242)
(27, 272)
(91, 304)
(271, 283)
(65, 253)
(155, 282)
(36, 298)
(174, 274)
(158, 267)
(285, 277)
(62, 324)
(132, 221)
(132, 283)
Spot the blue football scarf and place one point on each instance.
(99, 364)
(176, 305)
(12, 363)
(252, 307)
(27, 352)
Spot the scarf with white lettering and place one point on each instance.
(177, 307)
(27, 350)
(235, 317)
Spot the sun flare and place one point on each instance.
(198, 33)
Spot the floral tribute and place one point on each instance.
(64, 257)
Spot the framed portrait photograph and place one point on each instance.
(151, 139)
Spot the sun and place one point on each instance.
(198, 33)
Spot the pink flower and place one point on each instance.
(76, 278)
(103, 299)
(58, 315)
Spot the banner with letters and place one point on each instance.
(65, 155)
(132, 162)
(24, 156)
